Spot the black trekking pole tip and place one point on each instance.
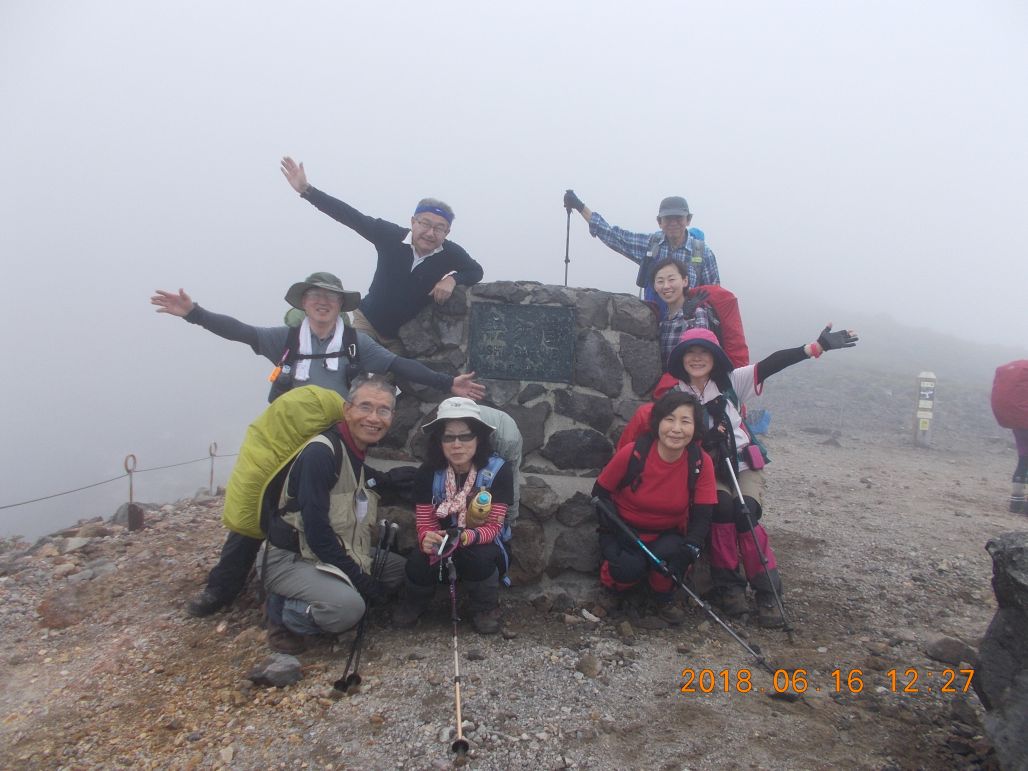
(352, 680)
(460, 747)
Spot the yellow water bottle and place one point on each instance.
(479, 508)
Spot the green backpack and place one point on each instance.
(271, 442)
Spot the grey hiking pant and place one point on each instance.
(317, 601)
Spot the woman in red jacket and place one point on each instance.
(669, 517)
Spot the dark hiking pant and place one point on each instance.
(227, 579)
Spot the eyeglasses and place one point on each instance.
(364, 408)
(437, 228)
(462, 438)
(321, 294)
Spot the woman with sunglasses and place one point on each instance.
(461, 494)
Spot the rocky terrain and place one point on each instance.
(882, 552)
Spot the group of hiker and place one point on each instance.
(687, 477)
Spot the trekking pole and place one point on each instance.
(386, 532)
(567, 249)
(460, 744)
(607, 509)
(787, 624)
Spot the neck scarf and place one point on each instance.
(455, 501)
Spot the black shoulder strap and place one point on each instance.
(338, 450)
(695, 462)
(292, 347)
(353, 354)
(636, 462)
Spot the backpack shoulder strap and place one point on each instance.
(732, 396)
(352, 354)
(487, 474)
(292, 347)
(350, 344)
(642, 278)
(694, 457)
(636, 462)
(438, 486)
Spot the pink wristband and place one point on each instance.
(816, 350)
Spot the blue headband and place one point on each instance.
(448, 216)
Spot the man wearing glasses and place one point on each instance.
(415, 265)
(318, 566)
(323, 361)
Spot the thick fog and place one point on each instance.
(862, 157)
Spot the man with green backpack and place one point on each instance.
(321, 351)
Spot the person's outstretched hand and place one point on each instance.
(465, 385)
(294, 174)
(176, 304)
(844, 338)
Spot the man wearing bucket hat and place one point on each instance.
(311, 354)
(698, 365)
(415, 265)
(458, 515)
(675, 240)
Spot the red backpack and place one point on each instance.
(1010, 394)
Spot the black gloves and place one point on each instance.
(692, 303)
(371, 590)
(691, 552)
(572, 201)
(829, 340)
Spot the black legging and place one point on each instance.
(474, 563)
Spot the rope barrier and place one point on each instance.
(213, 453)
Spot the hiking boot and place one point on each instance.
(206, 603)
(671, 613)
(1017, 504)
(283, 640)
(486, 621)
(768, 614)
(484, 599)
(414, 603)
(732, 600)
(666, 609)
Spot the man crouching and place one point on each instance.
(317, 569)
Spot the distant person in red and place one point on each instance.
(1010, 406)
(699, 366)
(657, 503)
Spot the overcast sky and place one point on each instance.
(870, 155)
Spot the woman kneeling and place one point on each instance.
(458, 515)
(663, 487)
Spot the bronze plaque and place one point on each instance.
(522, 342)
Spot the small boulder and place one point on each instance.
(277, 670)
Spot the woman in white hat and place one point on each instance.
(461, 494)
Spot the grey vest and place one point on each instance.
(354, 535)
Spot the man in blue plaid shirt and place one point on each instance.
(674, 241)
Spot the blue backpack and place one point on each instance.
(483, 481)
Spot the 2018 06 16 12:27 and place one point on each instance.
(910, 681)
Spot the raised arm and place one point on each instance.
(826, 341)
(182, 305)
(365, 226)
